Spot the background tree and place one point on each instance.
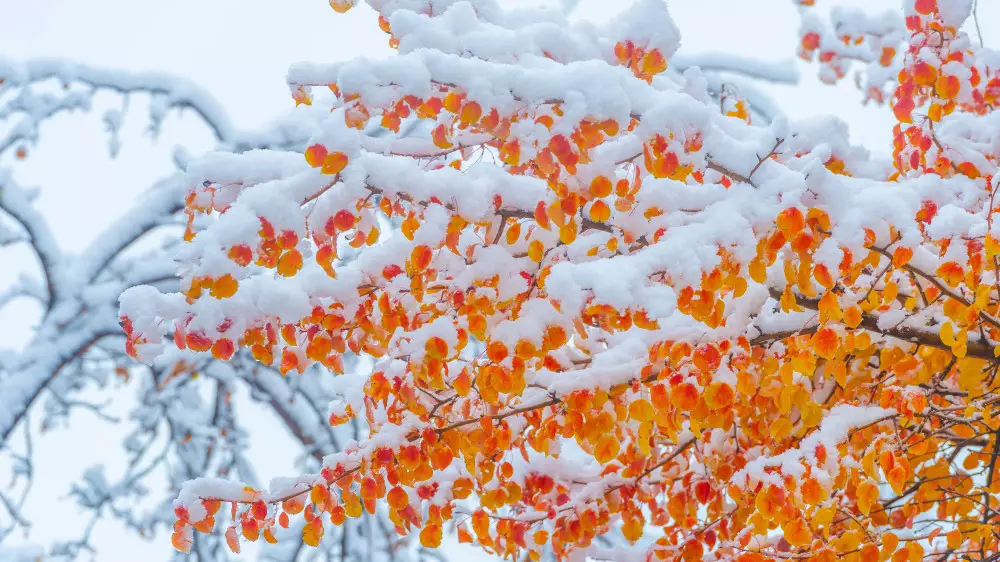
(186, 423)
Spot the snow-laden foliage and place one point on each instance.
(617, 303)
(187, 421)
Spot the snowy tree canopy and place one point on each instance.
(556, 289)
(618, 303)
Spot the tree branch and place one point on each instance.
(15, 201)
(908, 334)
(179, 92)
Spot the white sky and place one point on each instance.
(240, 50)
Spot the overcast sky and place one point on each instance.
(240, 50)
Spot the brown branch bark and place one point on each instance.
(944, 289)
(869, 322)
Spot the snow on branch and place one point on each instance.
(16, 202)
(78, 340)
(177, 92)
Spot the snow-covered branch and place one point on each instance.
(17, 203)
(175, 92)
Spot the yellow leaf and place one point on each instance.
(788, 302)
(641, 410)
(645, 430)
(954, 537)
(852, 317)
(840, 374)
(535, 251)
(897, 479)
(812, 414)
(430, 536)
(848, 542)
(606, 449)
(971, 375)
(947, 334)
(823, 517)
(889, 543)
(780, 429)
(797, 533)
(410, 226)
(632, 528)
(992, 246)
(867, 496)
(312, 532)
(567, 232)
(829, 308)
(785, 398)
(890, 291)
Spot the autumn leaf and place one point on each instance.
(312, 532)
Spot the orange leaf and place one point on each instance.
(924, 74)
(641, 410)
(334, 162)
(510, 152)
(342, 6)
(653, 62)
(903, 109)
(232, 539)
(289, 263)
(471, 113)
(567, 232)
(797, 532)
(241, 254)
(947, 87)
(600, 211)
(536, 251)
(441, 136)
(867, 496)
(496, 351)
(852, 316)
(951, 273)
(315, 154)
(901, 256)
(707, 358)
(182, 539)
(791, 221)
(223, 349)
(224, 287)
(436, 348)
(420, 257)
(542, 216)
(869, 553)
(430, 536)
(684, 396)
(606, 449)
(829, 307)
(825, 343)
(600, 186)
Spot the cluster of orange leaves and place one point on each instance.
(851, 44)
(936, 84)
